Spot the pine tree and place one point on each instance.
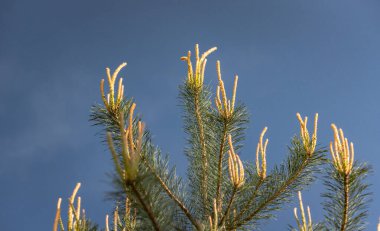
(221, 191)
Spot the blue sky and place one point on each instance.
(291, 56)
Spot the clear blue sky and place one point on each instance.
(291, 56)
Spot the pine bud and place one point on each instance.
(261, 151)
(57, 215)
(304, 225)
(235, 166)
(71, 212)
(195, 78)
(110, 102)
(224, 105)
(341, 152)
(308, 143)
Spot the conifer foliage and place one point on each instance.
(221, 191)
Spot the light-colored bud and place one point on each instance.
(261, 151)
(57, 215)
(196, 77)
(110, 102)
(303, 225)
(71, 212)
(223, 104)
(107, 223)
(115, 218)
(341, 152)
(309, 143)
(235, 166)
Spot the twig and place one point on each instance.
(229, 205)
(146, 207)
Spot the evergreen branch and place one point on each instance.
(167, 183)
(296, 173)
(234, 191)
(225, 111)
(200, 199)
(234, 125)
(146, 207)
(347, 198)
(260, 170)
(111, 123)
(194, 85)
(276, 194)
(252, 198)
(175, 198)
(203, 146)
(220, 164)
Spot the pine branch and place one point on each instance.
(252, 197)
(200, 198)
(197, 108)
(205, 164)
(230, 201)
(148, 174)
(220, 164)
(235, 126)
(175, 198)
(279, 187)
(347, 198)
(146, 207)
